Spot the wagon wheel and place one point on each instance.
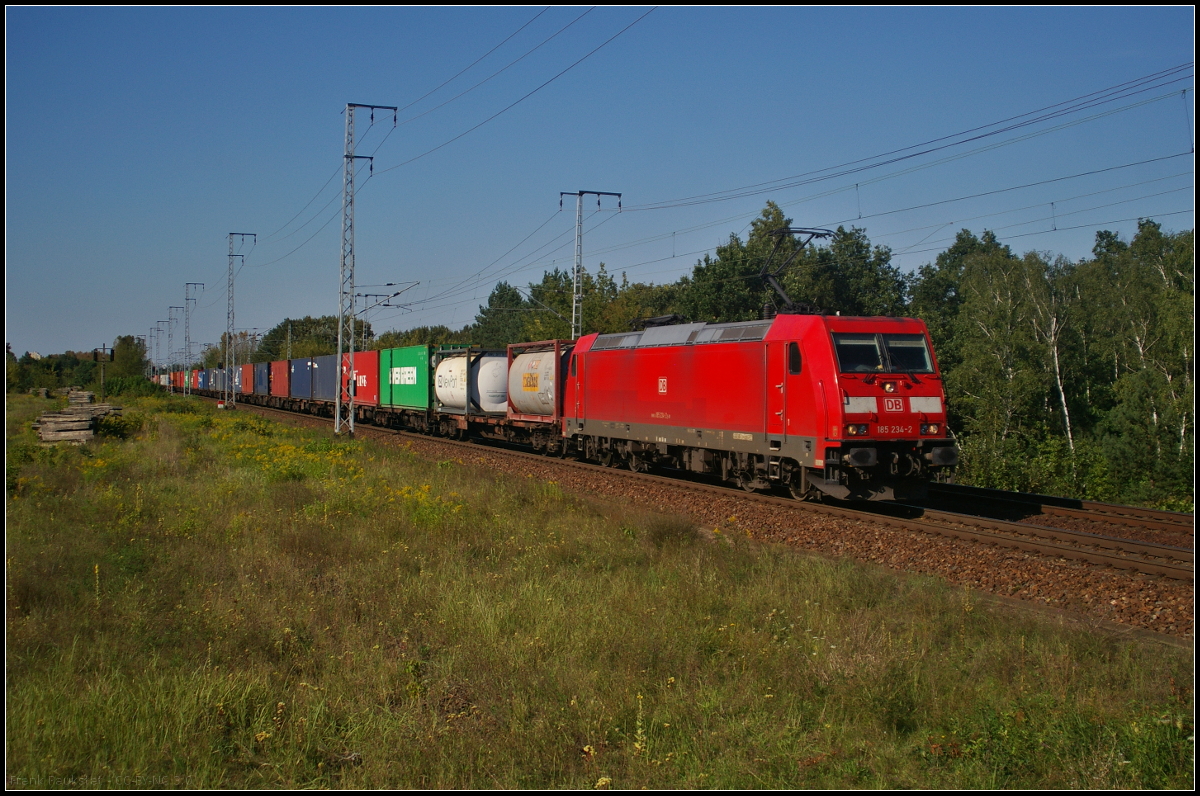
(798, 486)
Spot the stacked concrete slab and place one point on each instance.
(75, 424)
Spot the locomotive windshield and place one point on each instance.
(882, 353)
(908, 353)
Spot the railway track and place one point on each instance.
(1171, 528)
(1169, 561)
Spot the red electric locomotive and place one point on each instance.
(849, 407)
(825, 405)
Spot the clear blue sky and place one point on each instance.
(136, 139)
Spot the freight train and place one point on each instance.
(818, 405)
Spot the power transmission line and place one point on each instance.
(1103, 96)
(513, 104)
(477, 60)
(497, 73)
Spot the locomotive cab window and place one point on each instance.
(882, 353)
(858, 353)
(908, 353)
(793, 358)
(573, 357)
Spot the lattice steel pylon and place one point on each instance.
(577, 293)
(343, 416)
(188, 300)
(171, 324)
(230, 348)
(158, 325)
(145, 350)
(152, 352)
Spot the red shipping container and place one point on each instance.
(195, 375)
(366, 376)
(279, 379)
(247, 379)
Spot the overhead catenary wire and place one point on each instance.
(521, 99)
(1127, 92)
(468, 67)
(522, 266)
(472, 129)
(755, 213)
(338, 170)
(710, 249)
(847, 172)
(500, 71)
(939, 248)
(1112, 93)
(1095, 98)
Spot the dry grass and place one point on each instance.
(222, 602)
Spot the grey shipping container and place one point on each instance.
(325, 378)
(262, 376)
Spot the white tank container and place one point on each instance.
(485, 387)
(490, 381)
(450, 382)
(531, 383)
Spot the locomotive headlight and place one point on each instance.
(857, 430)
(930, 428)
(889, 386)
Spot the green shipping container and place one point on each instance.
(404, 377)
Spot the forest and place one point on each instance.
(1064, 377)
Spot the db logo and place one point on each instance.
(662, 386)
(893, 404)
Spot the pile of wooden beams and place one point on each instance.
(75, 424)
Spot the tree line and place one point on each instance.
(1072, 378)
(125, 368)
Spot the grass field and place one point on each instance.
(205, 599)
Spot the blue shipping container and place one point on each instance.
(301, 378)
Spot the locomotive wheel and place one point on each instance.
(637, 464)
(798, 487)
(746, 481)
(608, 458)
